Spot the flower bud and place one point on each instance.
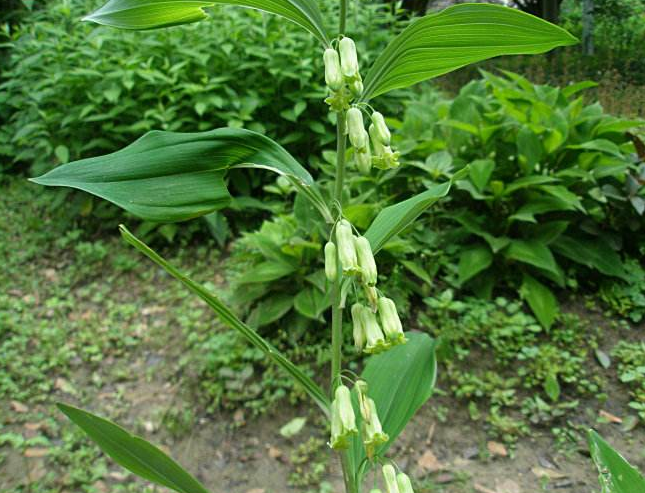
(376, 141)
(343, 422)
(357, 134)
(346, 247)
(331, 269)
(366, 260)
(364, 160)
(380, 128)
(358, 329)
(374, 338)
(333, 74)
(389, 476)
(387, 159)
(348, 58)
(356, 88)
(372, 295)
(390, 321)
(404, 484)
(373, 435)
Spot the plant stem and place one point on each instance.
(343, 16)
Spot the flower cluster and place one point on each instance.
(344, 81)
(395, 483)
(372, 334)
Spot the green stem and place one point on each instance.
(343, 16)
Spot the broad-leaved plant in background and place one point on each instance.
(169, 176)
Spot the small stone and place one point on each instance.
(496, 448)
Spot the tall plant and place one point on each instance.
(166, 176)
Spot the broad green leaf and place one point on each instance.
(270, 310)
(395, 218)
(552, 387)
(168, 176)
(311, 302)
(611, 124)
(266, 272)
(133, 453)
(616, 475)
(540, 299)
(528, 182)
(472, 261)
(532, 253)
(480, 172)
(152, 14)
(600, 145)
(548, 232)
(460, 35)
(472, 224)
(540, 205)
(572, 89)
(593, 253)
(400, 381)
(529, 146)
(227, 316)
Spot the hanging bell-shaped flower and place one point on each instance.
(377, 145)
(366, 261)
(373, 434)
(348, 58)
(374, 339)
(331, 268)
(346, 248)
(363, 406)
(356, 88)
(380, 128)
(333, 73)
(404, 483)
(358, 329)
(389, 478)
(372, 296)
(356, 128)
(390, 321)
(343, 422)
(364, 160)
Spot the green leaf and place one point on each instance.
(472, 261)
(529, 146)
(400, 381)
(270, 310)
(528, 182)
(600, 145)
(616, 475)
(480, 172)
(152, 14)
(134, 453)
(572, 89)
(593, 253)
(395, 218)
(532, 253)
(266, 272)
(293, 427)
(540, 299)
(168, 176)
(311, 302)
(227, 316)
(460, 35)
(552, 387)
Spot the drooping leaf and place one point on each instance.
(593, 253)
(532, 253)
(540, 299)
(134, 453)
(152, 14)
(400, 381)
(460, 35)
(472, 261)
(227, 316)
(169, 176)
(616, 475)
(395, 218)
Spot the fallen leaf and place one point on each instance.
(238, 417)
(274, 453)
(443, 478)
(19, 407)
(64, 386)
(541, 472)
(429, 462)
(118, 476)
(603, 359)
(497, 448)
(293, 427)
(33, 426)
(610, 417)
(36, 452)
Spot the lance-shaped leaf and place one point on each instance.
(399, 381)
(227, 316)
(152, 14)
(395, 218)
(440, 43)
(169, 176)
(616, 475)
(134, 453)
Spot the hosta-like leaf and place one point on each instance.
(152, 14)
(616, 475)
(540, 299)
(533, 253)
(134, 453)
(592, 252)
(227, 316)
(439, 43)
(169, 176)
(472, 261)
(395, 218)
(400, 381)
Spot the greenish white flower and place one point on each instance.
(366, 261)
(372, 296)
(356, 128)
(364, 160)
(357, 323)
(404, 483)
(356, 88)
(346, 248)
(390, 321)
(348, 58)
(343, 421)
(380, 128)
(361, 389)
(333, 73)
(373, 435)
(377, 145)
(374, 339)
(331, 268)
(389, 477)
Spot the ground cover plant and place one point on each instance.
(180, 176)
